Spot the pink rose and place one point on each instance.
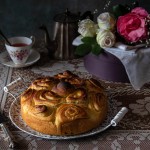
(132, 26)
(140, 11)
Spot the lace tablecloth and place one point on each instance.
(132, 133)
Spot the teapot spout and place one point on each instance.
(49, 44)
(47, 39)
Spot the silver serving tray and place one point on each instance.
(16, 119)
(113, 117)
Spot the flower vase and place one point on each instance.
(106, 67)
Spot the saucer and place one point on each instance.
(6, 60)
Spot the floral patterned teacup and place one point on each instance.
(20, 48)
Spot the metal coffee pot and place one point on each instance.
(65, 31)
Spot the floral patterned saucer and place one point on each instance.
(6, 60)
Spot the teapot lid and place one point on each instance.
(66, 17)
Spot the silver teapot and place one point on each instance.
(65, 31)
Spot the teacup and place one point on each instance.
(20, 48)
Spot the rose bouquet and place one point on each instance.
(128, 25)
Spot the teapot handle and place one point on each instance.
(33, 39)
(87, 14)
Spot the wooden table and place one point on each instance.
(132, 132)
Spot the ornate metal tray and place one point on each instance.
(15, 116)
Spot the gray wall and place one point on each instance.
(23, 17)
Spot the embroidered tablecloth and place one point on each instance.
(132, 132)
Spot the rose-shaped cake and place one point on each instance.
(132, 26)
(64, 104)
(105, 38)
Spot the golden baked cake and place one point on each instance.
(64, 104)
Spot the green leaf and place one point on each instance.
(119, 10)
(89, 40)
(83, 49)
(96, 49)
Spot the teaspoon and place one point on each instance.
(1, 33)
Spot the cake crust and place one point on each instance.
(64, 104)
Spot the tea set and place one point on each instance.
(20, 51)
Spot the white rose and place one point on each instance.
(105, 38)
(87, 28)
(106, 21)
